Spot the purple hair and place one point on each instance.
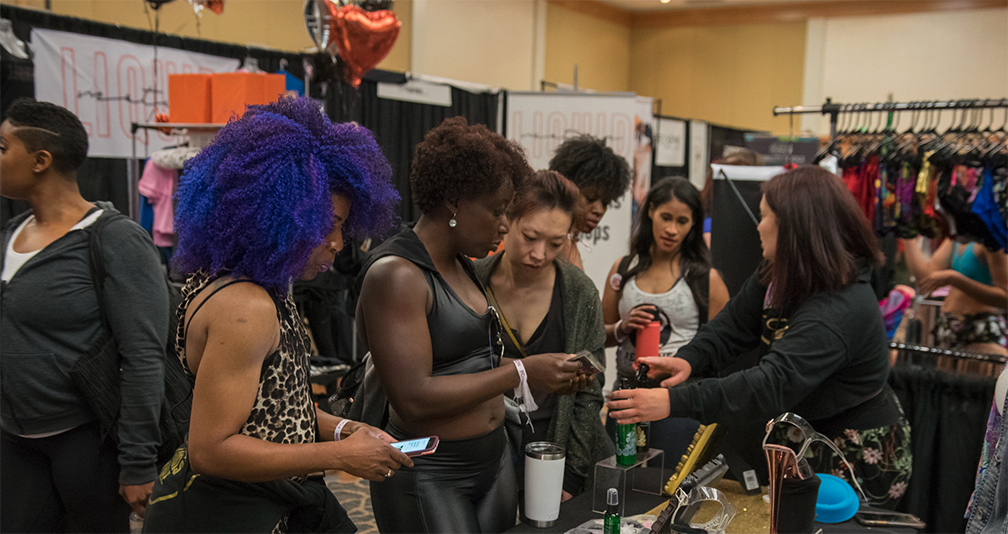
(257, 201)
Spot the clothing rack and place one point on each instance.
(935, 351)
(834, 110)
(133, 165)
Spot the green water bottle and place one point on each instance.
(611, 522)
(626, 438)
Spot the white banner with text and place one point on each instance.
(110, 84)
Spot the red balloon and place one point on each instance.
(362, 38)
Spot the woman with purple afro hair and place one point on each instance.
(257, 200)
(266, 202)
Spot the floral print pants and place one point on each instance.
(882, 459)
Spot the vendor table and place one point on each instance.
(752, 515)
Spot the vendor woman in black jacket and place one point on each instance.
(811, 310)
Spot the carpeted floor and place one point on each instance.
(354, 495)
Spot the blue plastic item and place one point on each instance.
(837, 501)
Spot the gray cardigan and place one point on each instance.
(49, 317)
(576, 424)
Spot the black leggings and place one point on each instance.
(67, 482)
(465, 486)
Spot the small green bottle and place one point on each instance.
(611, 523)
(626, 439)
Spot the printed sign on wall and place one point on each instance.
(670, 149)
(110, 84)
(698, 153)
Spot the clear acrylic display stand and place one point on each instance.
(646, 475)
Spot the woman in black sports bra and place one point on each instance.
(436, 343)
(266, 202)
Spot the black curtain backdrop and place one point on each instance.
(735, 244)
(948, 418)
(400, 126)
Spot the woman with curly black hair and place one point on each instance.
(267, 202)
(601, 175)
(436, 343)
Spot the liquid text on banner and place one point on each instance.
(109, 84)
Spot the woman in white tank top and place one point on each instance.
(667, 276)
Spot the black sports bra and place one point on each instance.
(460, 338)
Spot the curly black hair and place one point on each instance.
(457, 161)
(591, 165)
(46, 126)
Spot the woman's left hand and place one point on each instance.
(635, 405)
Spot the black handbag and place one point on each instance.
(360, 396)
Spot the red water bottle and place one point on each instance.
(648, 340)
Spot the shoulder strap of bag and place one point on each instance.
(96, 259)
(504, 322)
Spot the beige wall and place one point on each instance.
(269, 23)
(489, 42)
(919, 56)
(600, 48)
(727, 74)
(730, 73)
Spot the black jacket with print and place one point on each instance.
(827, 361)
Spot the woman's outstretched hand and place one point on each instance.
(628, 406)
(677, 369)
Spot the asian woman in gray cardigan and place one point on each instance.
(550, 306)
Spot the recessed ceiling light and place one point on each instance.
(665, 1)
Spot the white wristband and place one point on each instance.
(522, 393)
(616, 333)
(339, 427)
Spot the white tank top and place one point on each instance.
(683, 320)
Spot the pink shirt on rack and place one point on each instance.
(158, 185)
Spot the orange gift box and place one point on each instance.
(231, 92)
(189, 98)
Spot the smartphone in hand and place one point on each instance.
(417, 447)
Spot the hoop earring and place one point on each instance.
(452, 222)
